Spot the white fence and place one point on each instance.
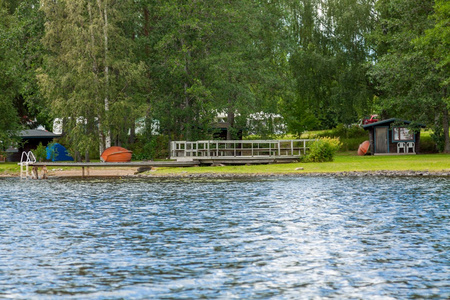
(239, 148)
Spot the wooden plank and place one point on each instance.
(127, 164)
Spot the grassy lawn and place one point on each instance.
(344, 162)
(9, 168)
(14, 168)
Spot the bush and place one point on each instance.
(345, 132)
(323, 150)
(428, 144)
(350, 137)
(352, 144)
(155, 147)
(40, 152)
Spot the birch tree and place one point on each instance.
(90, 77)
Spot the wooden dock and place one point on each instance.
(189, 154)
(35, 167)
(86, 165)
(239, 149)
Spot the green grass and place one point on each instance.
(13, 169)
(344, 162)
(9, 168)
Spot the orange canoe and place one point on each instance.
(363, 148)
(116, 154)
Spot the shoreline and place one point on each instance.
(132, 173)
(382, 173)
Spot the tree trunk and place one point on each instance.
(445, 127)
(104, 17)
(188, 118)
(95, 71)
(132, 136)
(230, 120)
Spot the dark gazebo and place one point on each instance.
(394, 136)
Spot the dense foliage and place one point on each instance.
(323, 150)
(175, 66)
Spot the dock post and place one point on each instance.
(292, 148)
(44, 172)
(34, 173)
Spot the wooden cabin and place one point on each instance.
(394, 136)
(30, 140)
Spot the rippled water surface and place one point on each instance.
(273, 238)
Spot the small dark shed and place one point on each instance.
(31, 139)
(393, 136)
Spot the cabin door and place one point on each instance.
(381, 140)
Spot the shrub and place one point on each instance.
(323, 150)
(428, 144)
(40, 152)
(350, 137)
(155, 147)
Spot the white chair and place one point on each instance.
(410, 146)
(401, 146)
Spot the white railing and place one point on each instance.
(26, 159)
(239, 148)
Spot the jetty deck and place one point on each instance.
(189, 154)
(228, 150)
(35, 166)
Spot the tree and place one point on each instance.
(205, 58)
(239, 61)
(90, 78)
(9, 121)
(329, 61)
(435, 43)
(410, 80)
(28, 35)
(173, 45)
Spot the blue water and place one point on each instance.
(272, 238)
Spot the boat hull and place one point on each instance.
(116, 154)
(363, 148)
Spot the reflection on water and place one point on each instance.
(283, 238)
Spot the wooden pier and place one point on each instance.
(238, 150)
(85, 166)
(189, 154)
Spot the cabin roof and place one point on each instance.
(37, 134)
(391, 120)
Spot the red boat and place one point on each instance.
(373, 119)
(363, 148)
(116, 154)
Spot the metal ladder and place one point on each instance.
(26, 159)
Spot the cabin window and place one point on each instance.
(402, 134)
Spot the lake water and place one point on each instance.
(265, 238)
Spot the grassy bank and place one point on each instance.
(344, 162)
